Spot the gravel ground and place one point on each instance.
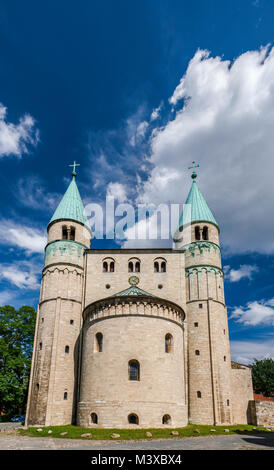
(12, 441)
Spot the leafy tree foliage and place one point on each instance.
(16, 339)
(263, 376)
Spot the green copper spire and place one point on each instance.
(199, 210)
(71, 206)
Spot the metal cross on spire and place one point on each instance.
(194, 174)
(74, 165)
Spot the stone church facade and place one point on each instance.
(138, 337)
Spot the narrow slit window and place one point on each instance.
(199, 394)
(168, 343)
(130, 267)
(64, 233)
(137, 267)
(111, 267)
(205, 233)
(67, 349)
(99, 342)
(65, 395)
(105, 267)
(163, 267)
(197, 233)
(156, 267)
(72, 233)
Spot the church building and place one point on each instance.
(134, 337)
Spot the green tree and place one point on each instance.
(263, 376)
(16, 339)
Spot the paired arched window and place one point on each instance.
(133, 370)
(168, 343)
(98, 342)
(108, 265)
(68, 233)
(160, 265)
(198, 233)
(134, 265)
(133, 419)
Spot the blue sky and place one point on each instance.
(134, 91)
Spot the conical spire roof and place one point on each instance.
(71, 205)
(198, 210)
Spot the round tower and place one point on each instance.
(53, 382)
(209, 365)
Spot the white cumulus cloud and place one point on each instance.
(255, 313)
(15, 138)
(30, 239)
(244, 271)
(224, 120)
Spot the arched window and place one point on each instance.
(199, 395)
(168, 343)
(156, 267)
(134, 265)
(163, 267)
(98, 342)
(197, 233)
(108, 265)
(133, 370)
(65, 395)
(197, 352)
(64, 233)
(72, 233)
(133, 419)
(67, 349)
(166, 419)
(94, 418)
(205, 233)
(111, 267)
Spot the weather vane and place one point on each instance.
(193, 166)
(74, 165)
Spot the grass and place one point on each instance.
(74, 432)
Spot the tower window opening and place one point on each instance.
(67, 349)
(42, 320)
(94, 418)
(65, 395)
(224, 332)
(137, 267)
(163, 267)
(168, 343)
(71, 322)
(134, 370)
(166, 419)
(227, 402)
(197, 233)
(72, 233)
(111, 267)
(197, 352)
(205, 233)
(40, 346)
(99, 342)
(225, 358)
(64, 233)
(133, 419)
(200, 305)
(199, 395)
(156, 267)
(130, 267)
(196, 324)
(105, 267)
(37, 387)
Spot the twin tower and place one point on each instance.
(134, 337)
